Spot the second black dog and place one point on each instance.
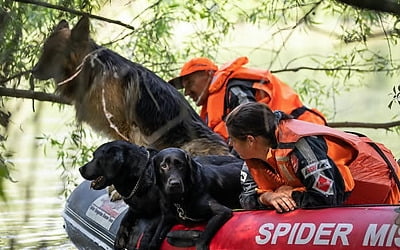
(193, 193)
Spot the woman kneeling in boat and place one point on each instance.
(295, 163)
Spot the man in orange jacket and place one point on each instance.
(218, 91)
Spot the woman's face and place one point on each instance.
(242, 147)
(251, 147)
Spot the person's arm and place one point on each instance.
(239, 94)
(248, 197)
(323, 182)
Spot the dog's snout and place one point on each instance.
(86, 172)
(40, 72)
(175, 186)
(174, 182)
(35, 71)
(82, 171)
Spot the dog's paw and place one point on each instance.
(110, 189)
(119, 244)
(122, 238)
(113, 194)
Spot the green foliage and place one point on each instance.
(23, 27)
(168, 33)
(5, 167)
(5, 164)
(72, 152)
(395, 96)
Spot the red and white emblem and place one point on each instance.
(315, 167)
(323, 184)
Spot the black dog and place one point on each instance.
(192, 193)
(127, 167)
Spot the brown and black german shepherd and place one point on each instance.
(119, 98)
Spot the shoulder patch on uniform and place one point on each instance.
(323, 185)
(315, 167)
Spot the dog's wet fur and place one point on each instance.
(192, 193)
(126, 166)
(129, 167)
(142, 108)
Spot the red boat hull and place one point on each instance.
(92, 221)
(328, 228)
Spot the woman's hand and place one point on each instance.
(280, 200)
(285, 189)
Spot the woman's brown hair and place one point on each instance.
(255, 119)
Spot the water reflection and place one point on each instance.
(31, 217)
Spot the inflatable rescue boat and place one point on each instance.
(92, 221)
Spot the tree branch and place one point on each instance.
(298, 23)
(339, 68)
(29, 94)
(14, 76)
(42, 96)
(76, 12)
(388, 6)
(376, 35)
(384, 125)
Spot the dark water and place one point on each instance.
(31, 218)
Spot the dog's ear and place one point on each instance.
(154, 166)
(80, 33)
(193, 168)
(119, 156)
(61, 25)
(115, 154)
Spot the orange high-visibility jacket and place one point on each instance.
(368, 169)
(270, 90)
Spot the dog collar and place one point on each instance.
(136, 187)
(182, 214)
